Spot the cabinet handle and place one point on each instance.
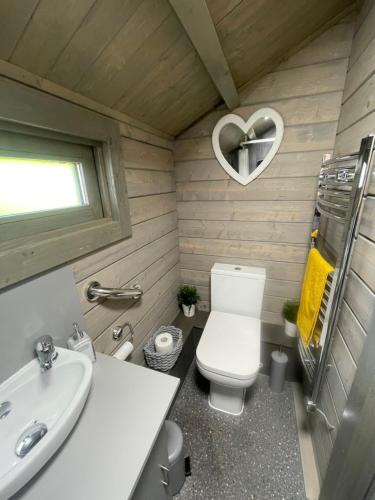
(165, 472)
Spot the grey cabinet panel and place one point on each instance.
(150, 484)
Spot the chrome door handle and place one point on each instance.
(165, 473)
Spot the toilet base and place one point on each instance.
(227, 399)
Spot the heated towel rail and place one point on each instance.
(340, 199)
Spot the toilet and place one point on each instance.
(228, 353)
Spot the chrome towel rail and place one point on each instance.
(335, 187)
(96, 292)
(308, 355)
(341, 195)
(333, 193)
(338, 218)
(331, 204)
(339, 159)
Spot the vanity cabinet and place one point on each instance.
(153, 483)
(125, 412)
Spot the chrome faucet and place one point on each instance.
(45, 351)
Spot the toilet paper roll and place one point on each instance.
(164, 343)
(124, 351)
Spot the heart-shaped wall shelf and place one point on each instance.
(245, 148)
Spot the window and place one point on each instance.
(45, 183)
(32, 185)
(62, 186)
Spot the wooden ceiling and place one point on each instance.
(135, 56)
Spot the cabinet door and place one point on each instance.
(151, 483)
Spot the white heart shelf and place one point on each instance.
(245, 126)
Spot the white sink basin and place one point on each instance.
(55, 398)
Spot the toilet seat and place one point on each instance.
(230, 346)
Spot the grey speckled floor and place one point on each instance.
(254, 456)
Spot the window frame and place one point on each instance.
(29, 111)
(27, 145)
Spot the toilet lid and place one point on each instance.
(230, 345)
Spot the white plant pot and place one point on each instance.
(290, 328)
(189, 311)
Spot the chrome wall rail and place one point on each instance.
(341, 194)
(96, 292)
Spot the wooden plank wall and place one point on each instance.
(266, 223)
(357, 119)
(150, 257)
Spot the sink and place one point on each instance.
(37, 412)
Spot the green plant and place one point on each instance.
(187, 295)
(290, 310)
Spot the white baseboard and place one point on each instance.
(310, 471)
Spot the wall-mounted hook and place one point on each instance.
(118, 331)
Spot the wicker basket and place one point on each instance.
(157, 360)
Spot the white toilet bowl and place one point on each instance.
(228, 353)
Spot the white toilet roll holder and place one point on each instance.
(118, 332)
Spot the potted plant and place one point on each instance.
(187, 298)
(289, 313)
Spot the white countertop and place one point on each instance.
(105, 454)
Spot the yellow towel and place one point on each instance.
(314, 282)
